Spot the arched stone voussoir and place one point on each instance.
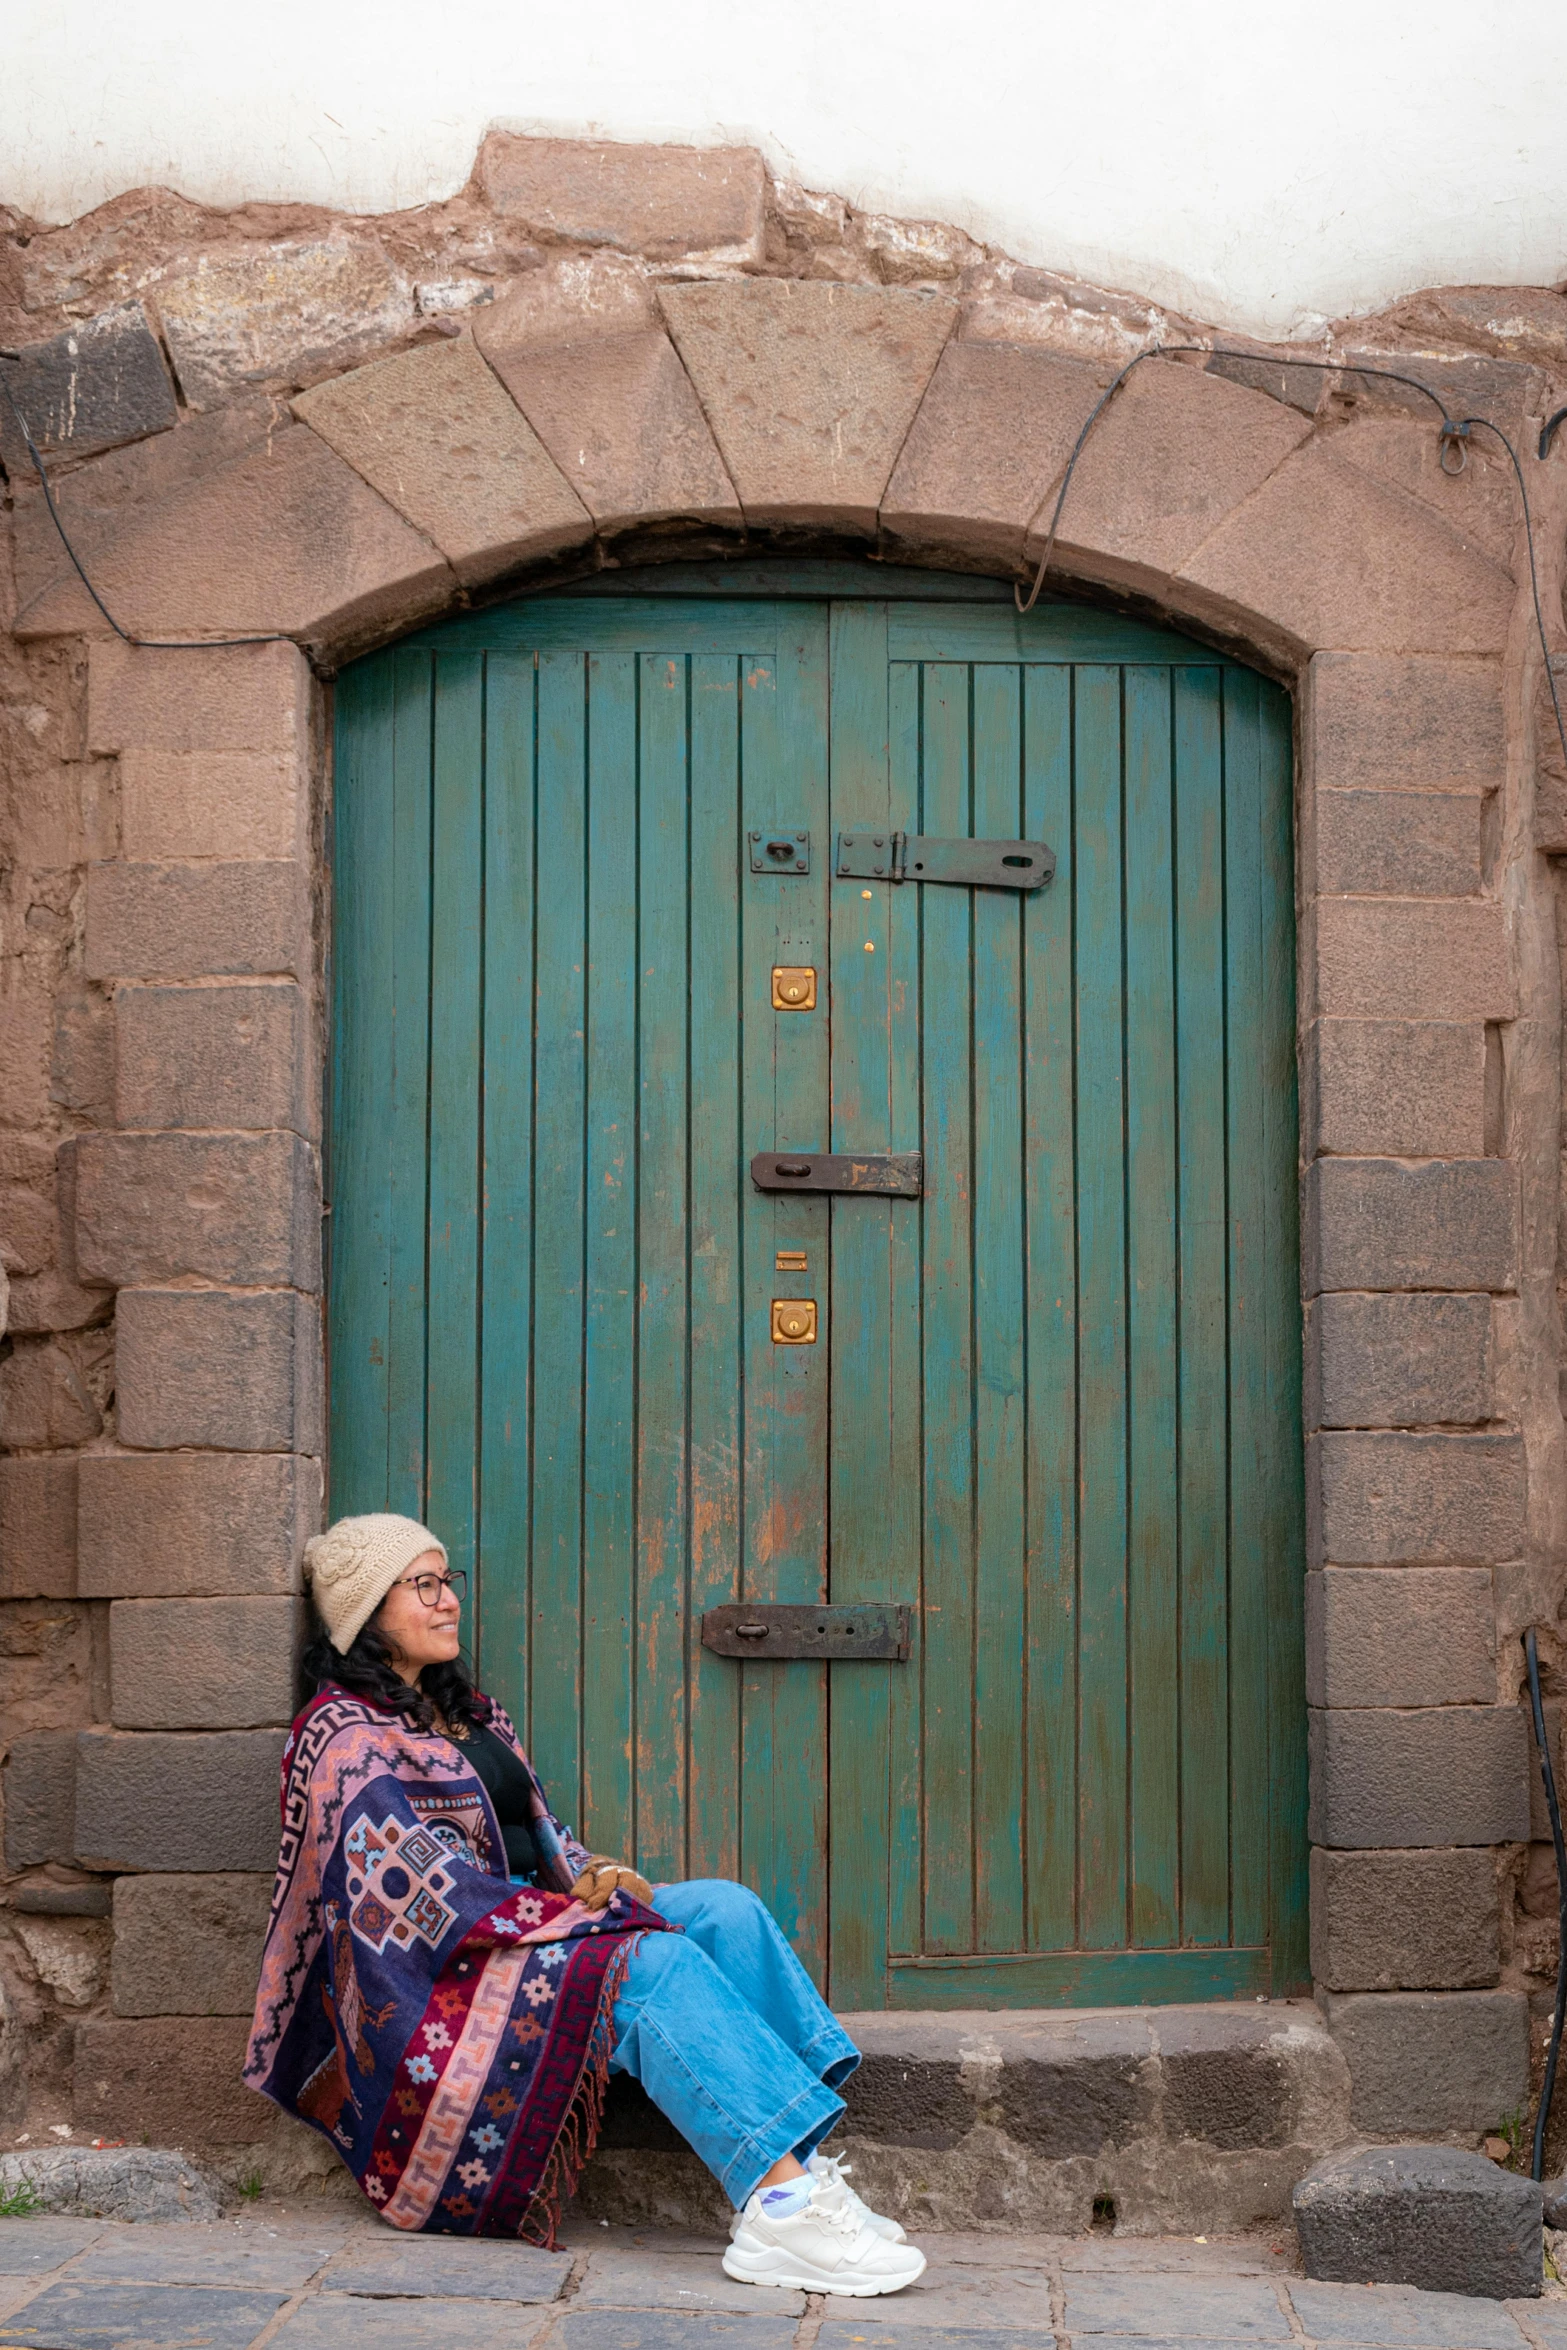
(810, 389)
(288, 538)
(1174, 454)
(582, 349)
(993, 433)
(436, 433)
(1320, 558)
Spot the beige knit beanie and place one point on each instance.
(353, 1565)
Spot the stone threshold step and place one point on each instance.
(1149, 2119)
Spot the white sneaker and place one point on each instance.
(823, 2248)
(834, 2173)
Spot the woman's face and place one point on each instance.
(420, 1635)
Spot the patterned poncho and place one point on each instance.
(447, 2031)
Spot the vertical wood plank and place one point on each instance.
(456, 936)
(784, 762)
(904, 1384)
(663, 984)
(871, 996)
(947, 1048)
(717, 1355)
(610, 1316)
(408, 1156)
(1248, 1287)
(560, 1113)
(1202, 1290)
(1000, 1501)
(1101, 1198)
(506, 1264)
(360, 1234)
(1050, 1094)
(1152, 1564)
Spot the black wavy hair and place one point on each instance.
(365, 1669)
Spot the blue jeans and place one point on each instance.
(724, 2029)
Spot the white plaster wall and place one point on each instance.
(1262, 165)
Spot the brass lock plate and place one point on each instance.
(794, 987)
(794, 1321)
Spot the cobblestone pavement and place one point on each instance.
(324, 2278)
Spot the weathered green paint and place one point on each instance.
(1055, 1403)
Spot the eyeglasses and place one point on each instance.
(432, 1589)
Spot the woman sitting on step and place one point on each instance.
(450, 1977)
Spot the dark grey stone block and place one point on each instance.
(439, 2268)
(110, 2317)
(176, 2255)
(1432, 2063)
(29, 2246)
(672, 2329)
(1074, 2102)
(40, 1798)
(62, 1901)
(1555, 2193)
(199, 1801)
(1227, 2097)
(1383, 1781)
(94, 387)
(1373, 1224)
(1438, 2217)
(855, 2333)
(1230, 2309)
(908, 2101)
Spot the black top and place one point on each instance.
(506, 1784)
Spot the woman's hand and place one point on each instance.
(602, 1878)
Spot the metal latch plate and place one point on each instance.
(892, 1175)
(779, 852)
(875, 1631)
(965, 864)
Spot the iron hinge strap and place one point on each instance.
(963, 864)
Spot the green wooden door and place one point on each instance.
(1054, 1404)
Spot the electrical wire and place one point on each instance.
(150, 644)
(1454, 434)
(1548, 2085)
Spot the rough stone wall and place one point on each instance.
(278, 420)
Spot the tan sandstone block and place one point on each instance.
(1399, 843)
(218, 1369)
(202, 1664)
(1404, 1089)
(1375, 723)
(260, 314)
(170, 2081)
(581, 348)
(1322, 558)
(288, 538)
(436, 434)
(810, 389)
(1412, 959)
(38, 1529)
(242, 698)
(213, 1056)
(993, 433)
(241, 1208)
(193, 1524)
(667, 202)
(250, 917)
(210, 804)
(1176, 451)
